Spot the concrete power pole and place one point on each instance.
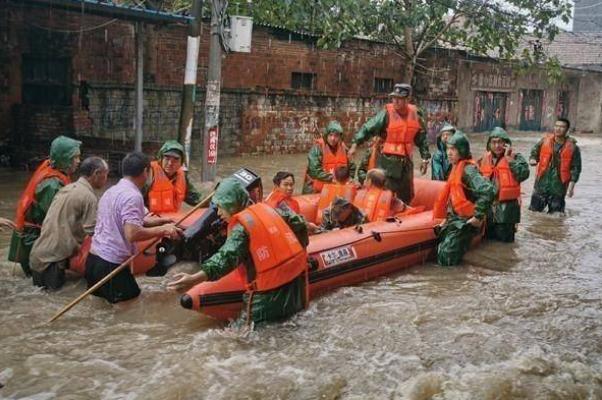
(139, 27)
(212, 95)
(189, 91)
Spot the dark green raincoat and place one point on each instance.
(549, 189)
(193, 196)
(267, 306)
(399, 170)
(440, 165)
(456, 235)
(503, 216)
(315, 171)
(62, 152)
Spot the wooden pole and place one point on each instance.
(124, 264)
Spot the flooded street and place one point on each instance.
(515, 321)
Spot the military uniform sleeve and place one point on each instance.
(374, 126)
(234, 251)
(44, 194)
(481, 188)
(535, 150)
(193, 196)
(297, 224)
(576, 165)
(314, 165)
(519, 168)
(420, 138)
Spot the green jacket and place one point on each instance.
(316, 171)
(478, 190)
(377, 125)
(329, 223)
(549, 183)
(274, 304)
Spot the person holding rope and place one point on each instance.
(120, 223)
(268, 245)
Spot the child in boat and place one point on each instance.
(463, 204)
(341, 214)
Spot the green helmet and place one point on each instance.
(460, 142)
(333, 127)
(231, 195)
(171, 146)
(62, 152)
(498, 132)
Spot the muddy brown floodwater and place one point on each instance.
(515, 321)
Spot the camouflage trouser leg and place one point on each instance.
(454, 243)
(399, 172)
(501, 232)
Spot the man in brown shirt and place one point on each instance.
(71, 216)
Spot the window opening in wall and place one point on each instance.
(46, 80)
(303, 80)
(383, 85)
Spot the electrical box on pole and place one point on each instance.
(241, 31)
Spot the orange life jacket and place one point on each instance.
(332, 190)
(44, 171)
(276, 197)
(401, 131)
(277, 255)
(454, 192)
(546, 154)
(330, 161)
(508, 188)
(164, 194)
(375, 203)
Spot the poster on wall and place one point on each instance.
(212, 146)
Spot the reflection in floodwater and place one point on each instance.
(516, 321)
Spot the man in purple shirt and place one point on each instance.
(120, 222)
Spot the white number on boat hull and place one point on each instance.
(338, 256)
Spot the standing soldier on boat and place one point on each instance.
(324, 157)
(558, 161)
(463, 204)
(269, 243)
(168, 185)
(71, 216)
(402, 127)
(47, 180)
(506, 170)
(440, 165)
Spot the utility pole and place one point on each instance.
(212, 95)
(139, 27)
(189, 91)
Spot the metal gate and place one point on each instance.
(530, 115)
(489, 110)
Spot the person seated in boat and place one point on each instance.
(71, 216)
(282, 193)
(168, 184)
(272, 261)
(327, 153)
(47, 180)
(341, 214)
(121, 222)
(440, 166)
(342, 186)
(462, 205)
(506, 169)
(375, 200)
(369, 159)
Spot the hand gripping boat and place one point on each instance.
(342, 257)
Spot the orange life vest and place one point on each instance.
(507, 186)
(276, 197)
(375, 203)
(44, 171)
(332, 190)
(401, 131)
(164, 194)
(277, 255)
(454, 192)
(546, 154)
(330, 161)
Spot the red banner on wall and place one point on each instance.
(212, 146)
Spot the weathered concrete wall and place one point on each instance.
(589, 104)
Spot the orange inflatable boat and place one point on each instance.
(342, 257)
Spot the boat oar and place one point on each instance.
(126, 263)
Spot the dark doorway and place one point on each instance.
(489, 110)
(530, 115)
(562, 107)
